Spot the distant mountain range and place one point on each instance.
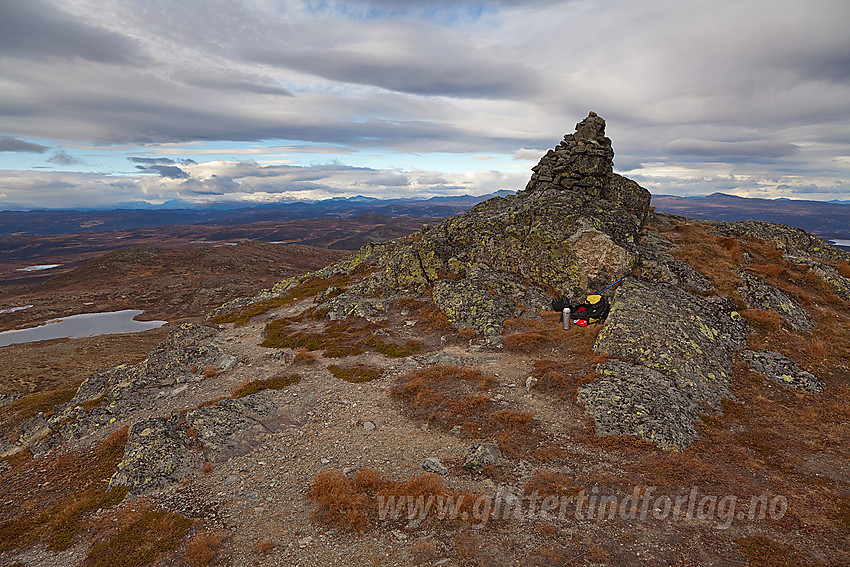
(821, 218)
(824, 219)
(52, 221)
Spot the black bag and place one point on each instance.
(594, 310)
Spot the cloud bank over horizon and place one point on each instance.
(108, 102)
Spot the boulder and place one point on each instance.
(629, 399)
(482, 455)
(434, 465)
(158, 454)
(676, 351)
(760, 294)
(792, 241)
(776, 367)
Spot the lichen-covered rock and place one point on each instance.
(635, 400)
(162, 451)
(829, 274)
(662, 268)
(468, 304)
(685, 344)
(8, 399)
(776, 367)
(758, 293)
(485, 299)
(434, 465)
(158, 454)
(573, 229)
(234, 427)
(792, 241)
(482, 455)
(111, 395)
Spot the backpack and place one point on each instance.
(594, 310)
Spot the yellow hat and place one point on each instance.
(593, 299)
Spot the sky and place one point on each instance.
(109, 102)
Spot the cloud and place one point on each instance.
(767, 100)
(169, 171)
(15, 145)
(35, 29)
(64, 158)
(400, 67)
(244, 181)
(707, 148)
(161, 161)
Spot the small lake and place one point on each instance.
(39, 267)
(85, 325)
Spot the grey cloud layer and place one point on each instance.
(243, 180)
(36, 30)
(15, 145)
(762, 88)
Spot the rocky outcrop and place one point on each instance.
(829, 274)
(158, 453)
(675, 350)
(162, 451)
(635, 400)
(111, 395)
(574, 228)
(776, 367)
(792, 241)
(760, 294)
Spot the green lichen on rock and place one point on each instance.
(635, 400)
(157, 454)
(760, 294)
(676, 348)
(110, 395)
(778, 368)
(792, 241)
(573, 229)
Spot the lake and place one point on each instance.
(85, 325)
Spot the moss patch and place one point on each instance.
(141, 542)
(275, 383)
(308, 288)
(355, 373)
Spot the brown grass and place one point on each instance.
(274, 383)
(303, 290)
(351, 503)
(393, 350)
(531, 336)
(140, 542)
(449, 396)
(715, 257)
(71, 486)
(427, 313)
(264, 547)
(304, 357)
(30, 405)
(203, 548)
(551, 484)
(762, 551)
(336, 339)
(355, 373)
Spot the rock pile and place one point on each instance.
(574, 228)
